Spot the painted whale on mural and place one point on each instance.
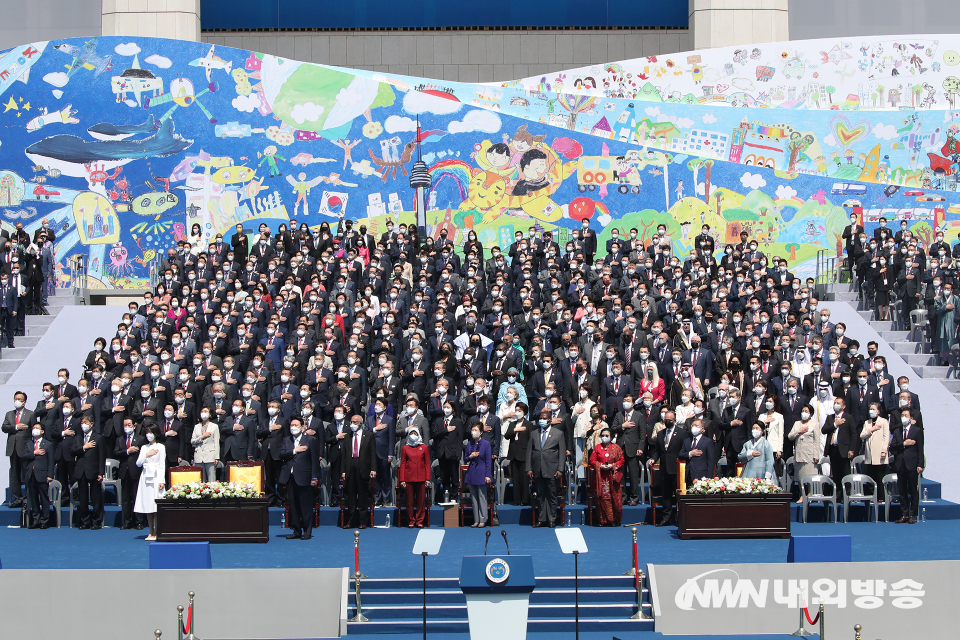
(108, 131)
(69, 153)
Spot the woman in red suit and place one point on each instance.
(607, 462)
(414, 476)
(652, 382)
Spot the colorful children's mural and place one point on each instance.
(125, 145)
(868, 72)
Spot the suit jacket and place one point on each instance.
(448, 444)
(667, 454)
(384, 438)
(548, 458)
(128, 469)
(732, 436)
(847, 436)
(303, 466)
(907, 458)
(90, 462)
(38, 467)
(10, 428)
(699, 466)
(238, 445)
(519, 440)
(113, 420)
(366, 461)
(633, 439)
(271, 440)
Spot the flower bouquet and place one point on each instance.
(210, 490)
(731, 486)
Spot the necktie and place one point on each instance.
(543, 437)
(356, 444)
(129, 441)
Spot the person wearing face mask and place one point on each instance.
(906, 449)
(152, 460)
(516, 437)
(127, 452)
(358, 471)
(414, 476)
(842, 441)
(668, 444)
(545, 460)
(270, 433)
(90, 454)
(699, 453)
(479, 473)
(606, 464)
(805, 435)
(875, 435)
(37, 458)
(448, 433)
(757, 455)
(860, 395)
(378, 423)
(300, 456)
(114, 407)
(733, 427)
(883, 277)
(771, 418)
(206, 444)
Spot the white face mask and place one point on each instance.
(294, 431)
(151, 437)
(757, 433)
(36, 433)
(695, 431)
(804, 415)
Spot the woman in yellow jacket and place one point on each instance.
(876, 437)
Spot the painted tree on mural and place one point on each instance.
(797, 145)
(708, 165)
(695, 164)
(951, 87)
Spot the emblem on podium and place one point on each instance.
(498, 570)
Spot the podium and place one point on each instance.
(497, 589)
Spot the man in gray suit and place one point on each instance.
(546, 456)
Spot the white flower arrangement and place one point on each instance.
(210, 491)
(728, 486)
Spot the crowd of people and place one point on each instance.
(337, 358)
(28, 278)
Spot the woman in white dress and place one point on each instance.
(197, 242)
(152, 460)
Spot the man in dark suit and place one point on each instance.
(8, 312)
(358, 466)
(15, 425)
(127, 451)
(615, 389)
(270, 434)
(36, 454)
(88, 449)
(238, 434)
(546, 458)
(669, 444)
(791, 404)
(843, 441)
(733, 425)
(175, 439)
(114, 408)
(241, 245)
(448, 433)
(699, 453)
(630, 428)
(906, 447)
(301, 469)
(859, 397)
(383, 434)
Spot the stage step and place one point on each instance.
(395, 606)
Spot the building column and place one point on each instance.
(726, 23)
(178, 19)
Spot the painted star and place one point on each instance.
(25, 107)
(12, 104)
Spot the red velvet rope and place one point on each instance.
(806, 612)
(186, 628)
(636, 568)
(356, 558)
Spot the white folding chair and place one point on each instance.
(815, 489)
(54, 491)
(855, 490)
(891, 491)
(111, 477)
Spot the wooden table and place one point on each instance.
(234, 520)
(734, 516)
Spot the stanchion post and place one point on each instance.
(857, 628)
(356, 587)
(821, 621)
(180, 622)
(191, 617)
(633, 569)
(157, 634)
(356, 554)
(801, 631)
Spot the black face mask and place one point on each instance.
(668, 423)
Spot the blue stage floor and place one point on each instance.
(386, 553)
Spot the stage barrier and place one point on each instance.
(232, 603)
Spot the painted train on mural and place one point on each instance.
(126, 145)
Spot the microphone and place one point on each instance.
(486, 542)
(504, 534)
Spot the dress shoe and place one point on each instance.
(911, 520)
(34, 525)
(411, 526)
(475, 525)
(125, 527)
(481, 525)
(634, 503)
(44, 526)
(294, 536)
(97, 526)
(902, 520)
(363, 526)
(306, 536)
(419, 526)
(139, 527)
(83, 526)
